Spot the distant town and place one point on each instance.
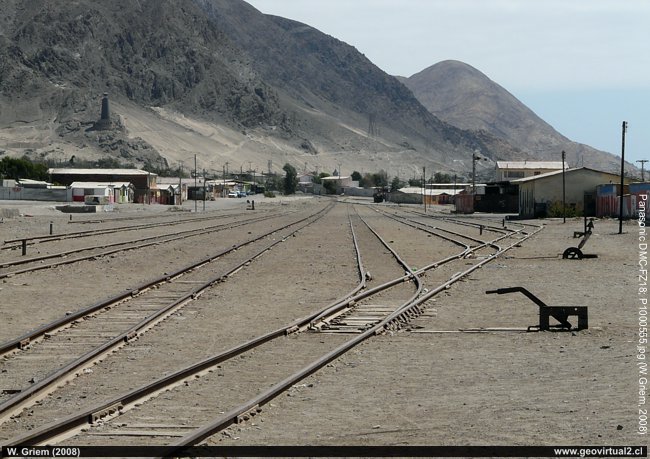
(530, 189)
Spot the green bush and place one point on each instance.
(22, 168)
(555, 210)
(269, 194)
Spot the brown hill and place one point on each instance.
(463, 96)
(215, 78)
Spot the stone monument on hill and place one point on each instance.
(104, 122)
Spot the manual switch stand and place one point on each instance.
(575, 253)
(559, 313)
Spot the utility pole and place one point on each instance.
(620, 208)
(455, 206)
(475, 158)
(180, 183)
(204, 190)
(424, 187)
(642, 161)
(563, 190)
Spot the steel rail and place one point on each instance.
(125, 401)
(113, 407)
(439, 215)
(256, 402)
(125, 218)
(351, 300)
(159, 239)
(362, 271)
(413, 224)
(25, 339)
(456, 221)
(479, 241)
(410, 273)
(16, 403)
(443, 216)
(464, 253)
(509, 233)
(402, 316)
(76, 234)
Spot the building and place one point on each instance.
(306, 183)
(101, 192)
(144, 183)
(541, 195)
(434, 195)
(498, 197)
(174, 189)
(608, 201)
(513, 170)
(340, 182)
(32, 190)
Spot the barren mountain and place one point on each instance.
(212, 78)
(463, 96)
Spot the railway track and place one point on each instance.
(70, 344)
(203, 375)
(17, 243)
(109, 248)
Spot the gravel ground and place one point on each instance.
(429, 384)
(421, 387)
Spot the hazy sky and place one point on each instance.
(581, 65)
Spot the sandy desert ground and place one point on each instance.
(430, 383)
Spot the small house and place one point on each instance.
(101, 192)
(144, 183)
(542, 195)
(339, 182)
(513, 170)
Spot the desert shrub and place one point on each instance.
(555, 210)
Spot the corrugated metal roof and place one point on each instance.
(69, 171)
(99, 184)
(530, 165)
(436, 192)
(24, 181)
(550, 174)
(335, 177)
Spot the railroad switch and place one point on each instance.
(559, 313)
(575, 253)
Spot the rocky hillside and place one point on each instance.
(463, 96)
(58, 57)
(212, 78)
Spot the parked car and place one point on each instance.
(232, 194)
(241, 194)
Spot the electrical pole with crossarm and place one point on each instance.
(620, 208)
